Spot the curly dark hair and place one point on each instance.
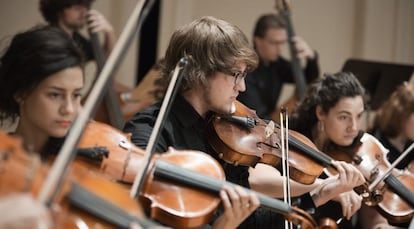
(31, 57)
(50, 9)
(325, 92)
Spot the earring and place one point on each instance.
(321, 126)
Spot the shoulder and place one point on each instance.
(148, 115)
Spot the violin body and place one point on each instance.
(23, 172)
(111, 152)
(392, 207)
(178, 205)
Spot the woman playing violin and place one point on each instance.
(41, 77)
(393, 127)
(330, 116)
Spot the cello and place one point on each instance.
(109, 110)
(299, 78)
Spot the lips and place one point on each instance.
(64, 123)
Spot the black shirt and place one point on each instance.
(186, 129)
(264, 84)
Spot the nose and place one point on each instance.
(68, 106)
(354, 125)
(241, 86)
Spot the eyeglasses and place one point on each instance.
(238, 76)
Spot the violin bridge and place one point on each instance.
(270, 128)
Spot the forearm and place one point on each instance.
(268, 180)
(325, 191)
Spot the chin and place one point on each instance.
(346, 142)
(58, 133)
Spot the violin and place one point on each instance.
(253, 141)
(181, 189)
(86, 198)
(393, 198)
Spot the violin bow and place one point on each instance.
(180, 69)
(68, 151)
(284, 139)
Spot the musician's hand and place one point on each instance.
(303, 49)
(238, 205)
(22, 211)
(348, 176)
(98, 23)
(350, 202)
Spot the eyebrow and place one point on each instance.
(62, 89)
(349, 113)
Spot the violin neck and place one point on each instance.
(170, 171)
(314, 154)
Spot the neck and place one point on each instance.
(398, 142)
(33, 140)
(196, 100)
(319, 138)
(66, 28)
